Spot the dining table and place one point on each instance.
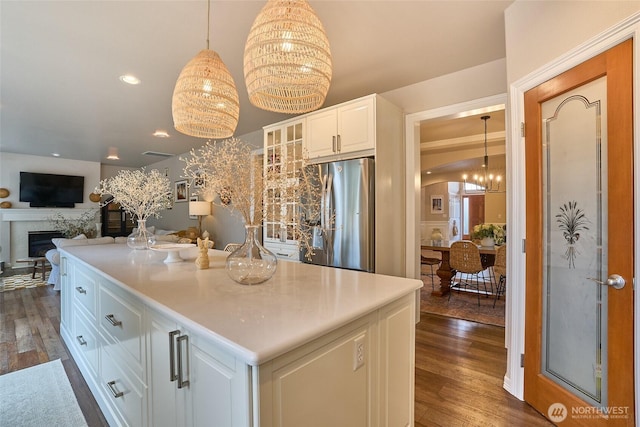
(445, 272)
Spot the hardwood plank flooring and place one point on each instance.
(459, 372)
(459, 364)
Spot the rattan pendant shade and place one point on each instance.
(287, 58)
(205, 99)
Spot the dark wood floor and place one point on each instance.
(459, 364)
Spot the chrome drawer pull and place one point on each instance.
(81, 340)
(81, 289)
(182, 382)
(172, 355)
(112, 388)
(112, 319)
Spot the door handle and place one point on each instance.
(181, 381)
(616, 281)
(172, 357)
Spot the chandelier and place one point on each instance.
(205, 99)
(484, 180)
(287, 59)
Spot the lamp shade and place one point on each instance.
(287, 58)
(200, 208)
(205, 99)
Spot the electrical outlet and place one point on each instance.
(358, 352)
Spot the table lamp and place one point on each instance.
(199, 209)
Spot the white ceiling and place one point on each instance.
(60, 63)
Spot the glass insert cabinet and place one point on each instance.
(282, 157)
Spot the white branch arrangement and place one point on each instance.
(230, 170)
(141, 194)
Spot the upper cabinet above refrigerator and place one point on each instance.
(346, 129)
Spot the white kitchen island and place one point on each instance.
(168, 344)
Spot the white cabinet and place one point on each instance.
(282, 158)
(102, 327)
(147, 365)
(344, 129)
(369, 126)
(363, 372)
(192, 383)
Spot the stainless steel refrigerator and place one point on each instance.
(347, 195)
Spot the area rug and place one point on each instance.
(20, 281)
(39, 396)
(462, 305)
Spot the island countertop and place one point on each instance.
(256, 323)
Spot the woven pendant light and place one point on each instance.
(287, 58)
(205, 99)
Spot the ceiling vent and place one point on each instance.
(157, 153)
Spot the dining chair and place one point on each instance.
(464, 258)
(500, 271)
(230, 247)
(432, 263)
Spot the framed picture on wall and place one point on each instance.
(437, 204)
(181, 191)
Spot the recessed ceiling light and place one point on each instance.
(129, 79)
(161, 134)
(428, 172)
(55, 154)
(113, 154)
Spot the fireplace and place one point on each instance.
(40, 242)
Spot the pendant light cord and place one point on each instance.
(208, 18)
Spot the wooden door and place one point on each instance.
(579, 157)
(475, 214)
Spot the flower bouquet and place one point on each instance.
(489, 231)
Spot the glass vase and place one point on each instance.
(141, 238)
(251, 263)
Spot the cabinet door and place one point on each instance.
(320, 138)
(356, 126)
(219, 389)
(66, 291)
(166, 400)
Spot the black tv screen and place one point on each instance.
(51, 190)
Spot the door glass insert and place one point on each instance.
(574, 336)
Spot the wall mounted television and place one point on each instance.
(51, 190)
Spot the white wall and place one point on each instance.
(537, 32)
(465, 85)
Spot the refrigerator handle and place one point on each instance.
(326, 215)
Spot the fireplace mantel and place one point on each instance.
(15, 223)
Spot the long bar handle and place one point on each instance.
(112, 319)
(333, 143)
(181, 381)
(114, 391)
(172, 355)
(339, 143)
(81, 290)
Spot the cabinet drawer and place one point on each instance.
(121, 323)
(86, 341)
(283, 251)
(84, 289)
(123, 391)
